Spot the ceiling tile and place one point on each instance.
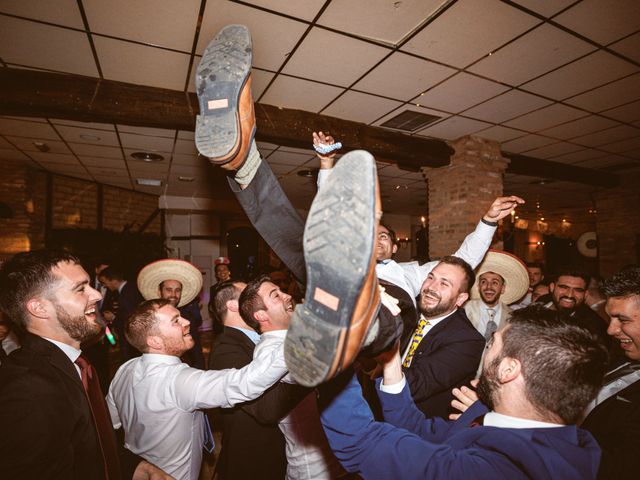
(43, 46)
(360, 107)
(452, 128)
(554, 150)
(529, 56)
(601, 21)
(625, 113)
(546, 8)
(460, 92)
(581, 126)
(546, 117)
(303, 9)
(95, 126)
(623, 146)
(467, 31)
(86, 135)
(499, 133)
(579, 156)
(146, 143)
(27, 144)
(102, 173)
(629, 47)
(185, 135)
(26, 119)
(412, 108)
(48, 157)
(82, 149)
(273, 36)
(621, 132)
(292, 92)
(184, 159)
(282, 169)
(62, 12)
(311, 61)
(507, 106)
(529, 142)
(170, 24)
(99, 162)
(186, 146)
(584, 74)
(154, 132)
(609, 96)
(387, 22)
(6, 154)
(289, 158)
(6, 145)
(259, 81)
(141, 165)
(142, 65)
(403, 77)
(20, 128)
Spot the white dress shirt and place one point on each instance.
(71, 352)
(157, 400)
(484, 316)
(308, 453)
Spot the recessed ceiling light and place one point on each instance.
(92, 138)
(43, 147)
(309, 173)
(152, 182)
(147, 156)
(186, 179)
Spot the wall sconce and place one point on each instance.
(537, 244)
(403, 242)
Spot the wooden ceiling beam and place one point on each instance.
(30, 93)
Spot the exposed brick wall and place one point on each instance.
(75, 203)
(24, 191)
(618, 224)
(461, 193)
(122, 208)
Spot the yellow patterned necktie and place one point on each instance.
(415, 340)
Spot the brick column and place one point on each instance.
(618, 224)
(459, 194)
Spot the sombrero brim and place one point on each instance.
(152, 275)
(509, 267)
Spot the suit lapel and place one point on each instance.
(50, 353)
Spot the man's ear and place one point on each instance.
(38, 307)
(233, 306)
(552, 287)
(394, 249)
(155, 342)
(261, 316)
(509, 369)
(159, 293)
(504, 286)
(462, 297)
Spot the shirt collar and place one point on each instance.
(71, 352)
(434, 321)
(160, 358)
(385, 261)
(275, 333)
(121, 286)
(252, 334)
(493, 419)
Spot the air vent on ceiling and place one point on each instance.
(410, 121)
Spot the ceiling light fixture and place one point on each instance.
(147, 156)
(43, 147)
(150, 182)
(92, 138)
(186, 179)
(308, 173)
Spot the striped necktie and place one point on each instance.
(415, 340)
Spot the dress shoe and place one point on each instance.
(226, 125)
(342, 295)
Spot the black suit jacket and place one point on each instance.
(47, 428)
(250, 449)
(615, 424)
(447, 357)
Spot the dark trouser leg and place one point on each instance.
(273, 216)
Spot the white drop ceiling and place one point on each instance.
(554, 79)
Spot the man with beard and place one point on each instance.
(179, 282)
(502, 279)
(538, 375)
(613, 418)
(157, 399)
(567, 297)
(53, 415)
(445, 349)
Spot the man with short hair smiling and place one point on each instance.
(614, 416)
(445, 349)
(157, 399)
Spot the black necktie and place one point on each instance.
(101, 419)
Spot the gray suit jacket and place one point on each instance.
(472, 309)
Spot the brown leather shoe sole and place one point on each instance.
(342, 296)
(223, 86)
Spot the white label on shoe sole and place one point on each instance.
(326, 299)
(215, 104)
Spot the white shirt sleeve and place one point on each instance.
(113, 411)
(323, 174)
(394, 388)
(196, 389)
(476, 244)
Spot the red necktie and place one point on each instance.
(101, 419)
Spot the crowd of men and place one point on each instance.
(552, 398)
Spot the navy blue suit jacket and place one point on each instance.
(412, 447)
(447, 357)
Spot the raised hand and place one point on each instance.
(501, 207)
(326, 160)
(465, 397)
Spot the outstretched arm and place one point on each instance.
(327, 160)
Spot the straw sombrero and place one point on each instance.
(509, 267)
(155, 273)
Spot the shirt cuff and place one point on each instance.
(395, 388)
(323, 174)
